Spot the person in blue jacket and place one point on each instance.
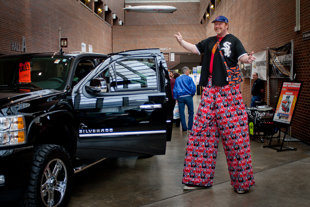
(183, 92)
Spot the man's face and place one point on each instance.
(220, 28)
(255, 76)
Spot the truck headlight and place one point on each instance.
(12, 130)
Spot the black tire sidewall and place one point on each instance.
(42, 156)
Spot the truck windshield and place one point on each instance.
(34, 72)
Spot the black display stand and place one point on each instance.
(280, 147)
(284, 112)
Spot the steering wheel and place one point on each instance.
(56, 79)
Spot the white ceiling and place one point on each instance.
(158, 1)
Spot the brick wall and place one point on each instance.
(39, 22)
(154, 36)
(156, 30)
(149, 30)
(115, 7)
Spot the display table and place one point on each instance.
(260, 120)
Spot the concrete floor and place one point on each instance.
(282, 179)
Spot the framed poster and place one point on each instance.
(281, 61)
(246, 70)
(259, 65)
(287, 102)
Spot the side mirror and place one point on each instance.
(93, 89)
(97, 85)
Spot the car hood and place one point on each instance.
(9, 98)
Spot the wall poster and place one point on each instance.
(287, 101)
(246, 70)
(281, 61)
(259, 65)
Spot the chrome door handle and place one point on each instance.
(151, 106)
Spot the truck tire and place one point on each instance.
(51, 177)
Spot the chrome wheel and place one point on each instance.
(54, 183)
(51, 177)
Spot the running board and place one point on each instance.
(85, 166)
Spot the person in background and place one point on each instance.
(257, 89)
(221, 112)
(173, 76)
(183, 92)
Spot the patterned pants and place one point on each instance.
(221, 113)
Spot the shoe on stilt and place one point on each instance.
(192, 187)
(240, 191)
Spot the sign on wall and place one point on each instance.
(63, 42)
(83, 47)
(246, 70)
(281, 61)
(259, 65)
(19, 47)
(306, 35)
(172, 57)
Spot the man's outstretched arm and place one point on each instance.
(188, 46)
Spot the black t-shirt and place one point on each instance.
(257, 86)
(232, 49)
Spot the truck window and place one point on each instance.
(82, 69)
(133, 74)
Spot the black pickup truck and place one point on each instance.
(60, 113)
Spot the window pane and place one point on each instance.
(132, 74)
(44, 72)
